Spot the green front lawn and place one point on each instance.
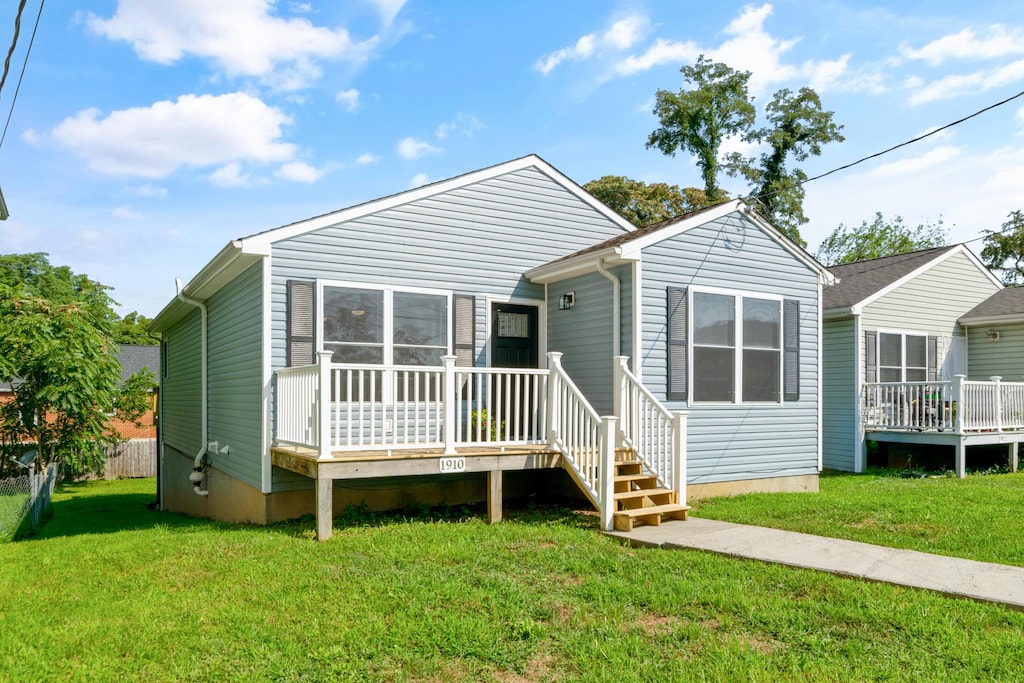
(979, 518)
(111, 591)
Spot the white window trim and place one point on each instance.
(738, 296)
(903, 352)
(388, 331)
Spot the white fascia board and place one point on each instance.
(840, 313)
(261, 241)
(959, 249)
(981, 266)
(579, 265)
(1006, 319)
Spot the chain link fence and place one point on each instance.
(21, 494)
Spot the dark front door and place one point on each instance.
(516, 336)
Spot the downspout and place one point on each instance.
(198, 475)
(616, 307)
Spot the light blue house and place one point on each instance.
(484, 336)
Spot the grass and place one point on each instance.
(980, 517)
(109, 590)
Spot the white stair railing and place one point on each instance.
(585, 439)
(656, 434)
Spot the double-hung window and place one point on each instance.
(905, 357)
(732, 347)
(386, 326)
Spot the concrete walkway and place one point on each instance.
(983, 581)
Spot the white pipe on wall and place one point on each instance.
(616, 307)
(198, 464)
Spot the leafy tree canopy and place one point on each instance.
(641, 203)
(879, 238)
(1003, 252)
(698, 119)
(133, 328)
(717, 105)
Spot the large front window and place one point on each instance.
(384, 326)
(902, 357)
(737, 348)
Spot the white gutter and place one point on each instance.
(616, 307)
(198, 476)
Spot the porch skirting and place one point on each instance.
(803, 483)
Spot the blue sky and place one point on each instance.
(146, 135)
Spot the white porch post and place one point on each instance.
(554, 386)
(999, 402)
(324, 404)
(606, 470)
(619, 364)
(958, 404)
(450, 404)
(679, 454)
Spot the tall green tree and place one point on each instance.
(641, 203)
(881, 237)
(58, 355)
(697, 119)
(797, 128)
(133, 328)
(1003, 252)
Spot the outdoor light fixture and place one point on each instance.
(993, 335)
(358, 312)
(566, 301)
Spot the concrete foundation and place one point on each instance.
(807, 483)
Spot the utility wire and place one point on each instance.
(14, 43)
(28, 51)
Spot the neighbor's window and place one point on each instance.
(737, 349)
(384, 326)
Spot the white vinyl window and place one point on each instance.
(902, 357)
(384, 326)
(737, 348)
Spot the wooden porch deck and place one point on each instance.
(959, 440)
(370, 464)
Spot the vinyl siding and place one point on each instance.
(181, 388)
(1003, 357)
(736, 442)
(584, 333)
(236, 375)
(840, 432)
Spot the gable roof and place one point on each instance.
(241, 253)
(862, 282)
(627, 247)
(1005, 306)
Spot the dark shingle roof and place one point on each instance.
(135, 357)
(858, 281)
(1007, 302)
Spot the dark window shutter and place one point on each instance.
(677, 359)
(791, 350)
(464, 330)
(933, 358)
(870, 356)
(301, 323)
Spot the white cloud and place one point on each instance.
(367, 158)
(149, 190)
(620, 35)
(126, 212)
(998, 41)
(349, 99)
(957, 85)
(915, 165)
(388, 9)
(299, 172)
(467, 124)
(30, 136)
(231, 175)
(662, 52)
(418, 180)
(300, 7)
(194, 131)
(240, 37)
(411, 148)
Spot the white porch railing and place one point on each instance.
(958, 406)
(656, 435)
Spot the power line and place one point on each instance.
(14, 44)
(28, 51)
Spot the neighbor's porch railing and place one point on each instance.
(958, 406)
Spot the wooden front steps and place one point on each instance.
(640, 499)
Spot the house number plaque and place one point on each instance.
(452, 465)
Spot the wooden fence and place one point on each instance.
(131, 459)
